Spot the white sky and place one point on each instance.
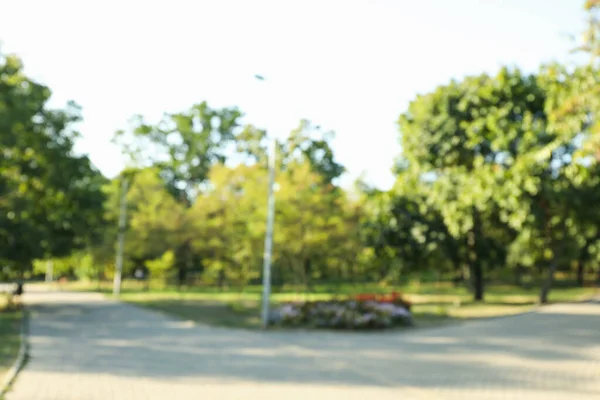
(350, 66)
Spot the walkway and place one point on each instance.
(84, 347)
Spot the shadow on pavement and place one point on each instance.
(553, 350)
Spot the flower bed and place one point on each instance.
(361, 312)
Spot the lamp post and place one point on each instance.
(269, 238)
(121, 239)
(266, 294)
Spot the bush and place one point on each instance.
(346, 314)
(8, 302)
(160, 267)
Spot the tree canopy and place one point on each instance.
(498, 177)
(49, 196)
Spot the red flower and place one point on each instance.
(365, 297)
(390, 298)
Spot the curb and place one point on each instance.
(536, 308)
(21, 357)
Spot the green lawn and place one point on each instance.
(10, 328)
(235, 310)
(433, 303)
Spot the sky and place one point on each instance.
(351, 66)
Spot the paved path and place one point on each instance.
(85, 347)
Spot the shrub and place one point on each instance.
(160, 267)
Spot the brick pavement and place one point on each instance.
(84, 347)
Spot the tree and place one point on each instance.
(308, 143)
(161, 267)
(506, 154)
(406, 234)
(574, 155)
(229, 222)
(591, 35)
(158, 223)
(49, 196)
(315, 237)
(183, 145)
(312, 225)
(465, 137)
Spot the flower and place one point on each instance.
(401, 312)
(365, 318)
(365, 297)
(348, 314)
(289, 311)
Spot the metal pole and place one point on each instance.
(121, 239)
(49, 272)
(269, 238)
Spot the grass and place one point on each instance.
(216, 313)
(434, 304)
(10, 328)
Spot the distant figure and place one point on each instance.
(19, 290)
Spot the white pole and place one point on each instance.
(269, 238)
(49, 272)
(121, 239)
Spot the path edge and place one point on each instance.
(21, 356)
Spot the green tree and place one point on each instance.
(160, 267)
(309, 143)
(157, 223)
(183, 145)
(312, 225)
(229, 221)
(591, 35)
(465, 137)
(314, 234)
(49, 196)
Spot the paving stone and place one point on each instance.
(86, 347)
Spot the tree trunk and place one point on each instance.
(518, 275)
(99, 279)
(580, 273)
(475, 261)
(189, 266)
(477, 273)
(553, 267)
(180, 276)
(307, 272)
(548, 284)
(467, 276)
(459, 270)
(221, 279)
(353, 272)
(383, 271)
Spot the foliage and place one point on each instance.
(307, 143)
(466, 136)
(160, 267)
(501, 158)
(79, 264)
(229, 224)
(183, 145)
(314, 237)
(499, 176)
(591, 35)
(49, 197)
